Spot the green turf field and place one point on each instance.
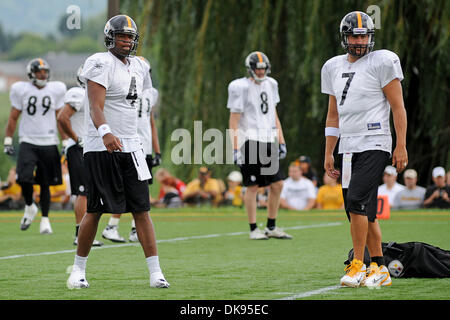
(205, 254)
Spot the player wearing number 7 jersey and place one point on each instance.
(363, 87)
(38, 101)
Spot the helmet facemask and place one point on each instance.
(121, 24)
(353, 48)
(354, 24)
(35, 66)
(257, 60)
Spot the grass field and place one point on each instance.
(205, 254)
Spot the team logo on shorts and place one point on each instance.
(81, 189)
(252, 178)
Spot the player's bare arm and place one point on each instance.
(279, 129)
(235, 117)
(61, 131)
(64, 121)
(393, 93)
(12, 122)
(96, 95)
(331, 141)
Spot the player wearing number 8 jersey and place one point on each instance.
(38, 101)
(363, 87)
(258, 141)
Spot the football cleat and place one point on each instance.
(157, 280)
(133, 235)
(377, 276)
(45, 227)
(355, 274)
(277, 233)
(28, 216)
(258, 235)
(112, 233)
(77, 280)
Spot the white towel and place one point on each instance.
(141, 165)
(346, 169)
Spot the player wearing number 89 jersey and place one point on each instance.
(38, 101)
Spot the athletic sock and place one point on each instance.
(27, 192)
(113, 221)
(378, 260)
(252, 226)
(80, 263)
(153, 264)
(270, 224)
(133, 224)
(77, 227)
(45, 200)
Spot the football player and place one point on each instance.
(38, 101)
(363, 86)
(71, 121)
(114, 160)
(257, 140)
(148, 133)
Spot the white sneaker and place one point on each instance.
(258, 235)
(28, 216)
(112, 233)
(133, 236)
(377, 276)
(77, 279)
(45, 227)
(277, 233)
(96, 243)
(157, 280)
(355, 274)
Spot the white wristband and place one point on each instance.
(8, 141)
(103, 129)
(331, 131)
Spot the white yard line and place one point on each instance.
(310, 293)
(332, 224)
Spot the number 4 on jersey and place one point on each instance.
(132, 92)
(348, 75)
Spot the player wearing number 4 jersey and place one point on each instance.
(38, 101)
(116, 169)
(363, 87)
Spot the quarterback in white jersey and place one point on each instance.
(257, 139)
(363, 87)
(38, 102)
(117, 172)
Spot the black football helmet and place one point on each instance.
(121, 24)
(35, 65)
(357, 23)
(257, 60)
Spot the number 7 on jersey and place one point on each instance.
(348, 75)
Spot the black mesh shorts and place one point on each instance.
(261, 164)
(38, 164)
(361, 195)
(76, 171)
(113, 185)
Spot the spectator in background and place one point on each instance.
(307, 170)
(233, 195)
(204, 189)
(437, 195)
(412, 196)
(329, 195)
(448, 178)
(170, 190)
(391, 187)
(298, 192)
(11, 193)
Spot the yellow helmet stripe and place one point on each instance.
(260, 58)
(41, 63)
(129, 21)
(358, 15)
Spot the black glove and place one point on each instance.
(156, 161)
(8, 147)
(282, 151)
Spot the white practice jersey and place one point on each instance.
(75, 98)
(124, 85)
(146, 103)
(362, 106)
(257, 105)
(38, 118)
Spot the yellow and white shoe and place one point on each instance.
(355, 274)
(377, 276)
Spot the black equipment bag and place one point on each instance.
(412, 260)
